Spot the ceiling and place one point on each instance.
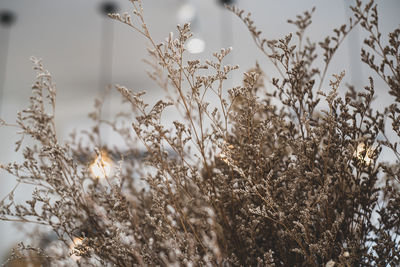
(69, 36)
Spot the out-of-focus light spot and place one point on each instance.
(101, 166)
(195, 45)
(223, 157)
(360, 150)
(76, 242)
(186, 13)
(364, 155)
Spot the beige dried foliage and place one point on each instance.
(244, 182)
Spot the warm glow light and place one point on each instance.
(76, 242)
(195, 45)
(364, 155)
(101, 166)
(360, 150)
(223, 157)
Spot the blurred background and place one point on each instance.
(85, 51)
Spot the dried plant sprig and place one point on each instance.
(245, 182)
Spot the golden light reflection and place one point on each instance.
(223, 157)
(76, 242)
(363, 154)
(101, 166)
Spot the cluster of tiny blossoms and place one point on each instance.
(289, 176)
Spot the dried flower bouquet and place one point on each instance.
(247, 182)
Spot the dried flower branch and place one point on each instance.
(244, 182)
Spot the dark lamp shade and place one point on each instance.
(7, 18)
(226, 2)
(108, 7)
